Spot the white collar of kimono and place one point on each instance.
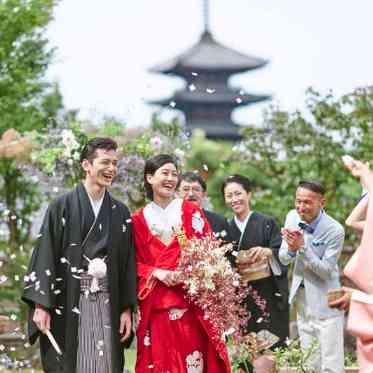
(161, 221)
(96, 204)
(242, 224)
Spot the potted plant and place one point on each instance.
(293, 359)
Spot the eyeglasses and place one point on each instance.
(193, 189)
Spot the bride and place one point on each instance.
(172, 334)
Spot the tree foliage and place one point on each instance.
(289, 147)
(24, 58)
(27, 101)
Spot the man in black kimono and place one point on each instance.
(192, 187)
(81, 283)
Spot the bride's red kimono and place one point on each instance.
(172, 335)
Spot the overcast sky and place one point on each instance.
(105, 47)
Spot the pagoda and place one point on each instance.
(207, 100)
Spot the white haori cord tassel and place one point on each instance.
(97, 268)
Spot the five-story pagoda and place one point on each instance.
(207, 100)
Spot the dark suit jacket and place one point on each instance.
(218, 224)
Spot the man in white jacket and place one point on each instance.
(313, 241)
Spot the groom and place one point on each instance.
(81, 281)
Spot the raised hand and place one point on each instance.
(294, 239)
(360, 170)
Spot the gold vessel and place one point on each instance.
(252, 271)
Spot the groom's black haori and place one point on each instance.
(68, 234)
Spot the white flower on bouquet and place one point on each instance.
(210, 271)
(209, 284)
(193, 288)
(236, 283)
(228, 332)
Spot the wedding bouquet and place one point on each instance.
(212, 284)
(218, 289)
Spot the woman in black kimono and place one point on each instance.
(260, 236)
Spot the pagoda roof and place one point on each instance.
(217, 130)
(232, 99)
(210, 56)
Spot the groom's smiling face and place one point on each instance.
(103, 168)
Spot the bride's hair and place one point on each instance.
(151, 166)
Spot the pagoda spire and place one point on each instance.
(207, 99)
(206, 15)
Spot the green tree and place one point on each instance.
(24, 58)
(210, 159)
(214, 161)
(27, 101)
(289, 147)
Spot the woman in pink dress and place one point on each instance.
(360, 270)
(172, 335)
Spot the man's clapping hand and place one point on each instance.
(294, 239)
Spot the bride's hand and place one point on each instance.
(165, 276)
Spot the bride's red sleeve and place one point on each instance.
(144, 259)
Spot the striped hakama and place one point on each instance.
(94, 343)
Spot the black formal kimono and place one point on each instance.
(263, 231)
(70, 232)
(219, 224)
